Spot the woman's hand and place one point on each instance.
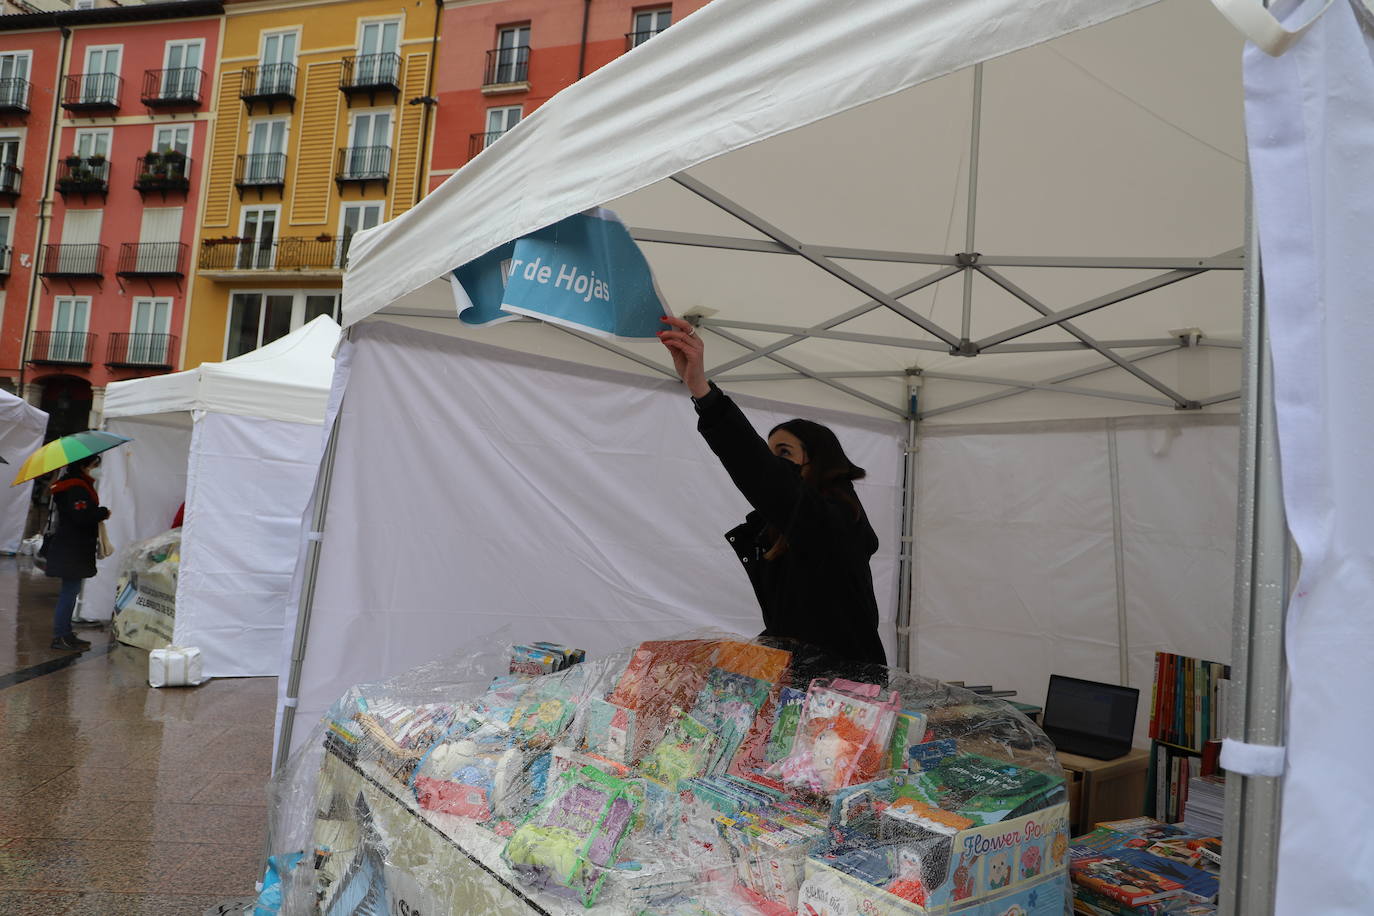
(689, 354)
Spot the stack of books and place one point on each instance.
(1142, 866)
(1188, 708)
(1204, 808)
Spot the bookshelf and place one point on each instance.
(1187, 720)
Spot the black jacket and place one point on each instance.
(820, 590)
(70, 550)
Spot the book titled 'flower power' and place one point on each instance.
(583, 272)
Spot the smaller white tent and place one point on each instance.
(21, 434)
(239, 442)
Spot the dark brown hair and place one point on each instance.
(827, 468)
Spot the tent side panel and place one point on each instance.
(143, 482)
(21, 434)
(249, 480)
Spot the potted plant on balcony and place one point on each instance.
(73, 160)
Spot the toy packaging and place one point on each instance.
(702, 776)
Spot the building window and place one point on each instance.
(181, 69)
(260, 317)
(150, 332)
(70, 320)
(499, 121)
(266, 161)
(169, 138)
(6, 238)
(14, 79)
(378, 61)
(512, 55)
(277, 65)
(355, 218)
(100, 82)
(258, 249)
(369, 150)
(92, 142)
(648, 23)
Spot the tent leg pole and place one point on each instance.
(1119, 550)
(906, 563)
(307, 599)
(1263, 583)
(975, 136)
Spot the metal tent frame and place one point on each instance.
(1262, 576)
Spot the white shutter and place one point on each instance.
(161, 230)
(80, 233)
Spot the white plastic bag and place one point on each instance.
(175, 666)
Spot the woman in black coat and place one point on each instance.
(807, 544)
(70, 550)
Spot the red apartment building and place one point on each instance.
(108, 220)
(501, 59)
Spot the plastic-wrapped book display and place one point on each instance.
(145, 598)
(703, 775)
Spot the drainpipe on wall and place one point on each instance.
(422, 186)
(44, 206)
(582, 51)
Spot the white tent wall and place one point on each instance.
(534, 499)
(21, 434)
(1017, 565)
(248, 482)
(142, 482)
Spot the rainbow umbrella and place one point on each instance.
(62, 452)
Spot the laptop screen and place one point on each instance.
(1090, 708)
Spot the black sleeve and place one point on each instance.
(76, 507)
(772, 485)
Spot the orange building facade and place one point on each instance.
(502, 59)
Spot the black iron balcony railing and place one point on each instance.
(635, 39)
(371, 72)
(363, 163)
(170, 171)
(507, 65)
(152, 259)
(92, 91)
(66, 347)
(86, 260)
(480, 141)
(260, 170)
(5, 252)
(83, 174)
(172, 88)
(289, 253)
(11, 177)
(268, 82)
(14, 95)
(140, 351)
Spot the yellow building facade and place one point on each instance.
(322, 119)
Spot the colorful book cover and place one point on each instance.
(1200, 885)
(982, 789)
(685, 751)
(1119, 880)
(785, 721)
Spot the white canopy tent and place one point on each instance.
(855, 199)
(238, 442)
(21, 434)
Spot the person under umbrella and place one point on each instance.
(71, 549)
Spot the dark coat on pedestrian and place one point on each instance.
(819, 590)
(70, 550)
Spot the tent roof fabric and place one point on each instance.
(287, 379)
(800, 175)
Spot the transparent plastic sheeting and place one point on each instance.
(146, 591)
(697, 776)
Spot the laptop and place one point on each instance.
(1089, 718)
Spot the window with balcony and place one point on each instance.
(499, 122)
(377, 65)
(98, 85)
(647, 24)
(69, 340)
(261, 316)
(14, 81)
(509, 62)
(353, 219)
(149, 343)
(166, 167)
(181, 79)
(10, 170)
(368, 157)
(87, 168)
(265, 163)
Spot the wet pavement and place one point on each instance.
(117, 799)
